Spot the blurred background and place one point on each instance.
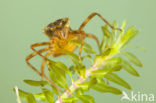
(22, 21)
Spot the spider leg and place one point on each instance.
(43, 64)
(93, 15)
(83, 38)
(39, 44)
(31, 66)
(31, 56)
(93, 37)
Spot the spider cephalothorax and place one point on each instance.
(60, 34)
(58, 28)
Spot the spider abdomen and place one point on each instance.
(60, 25)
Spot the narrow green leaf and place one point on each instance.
(130, 34)
(40, 96)
(99, 73)
(136, 47)
(113, 30)
(82, 72)
(59, 79)
(116, 68)
(108, 34)
(133, 58)
(27, 96)
(103, 88)
(22, 93)
(30, 98)
(86, 98)
(73, 57)
(36, 83)
(112, 68)
(113, 61)
(79, 91)
(107, 51)
(100, 80)
(122, 28)
(105, 31)
(116, 79)
(103, 45)
(93, 81)
(49, 95)
(129, 68)
(55, 90)
(70, 100)
(84, 86)
(57, 74)
(63, 67)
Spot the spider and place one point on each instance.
(60, 33)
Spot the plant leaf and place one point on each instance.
(103, 88)
(73, 57)
(40, 96)
(36, 83)
(103, 45)
(99, 73)
(130, 34)
(133, 58)
(105, 31)
(79, 91)
(116, 79)
(49, 95)
(57, 74)
(129, 68)
(84, 86)
(30, 98)
(113, 61)
(86, 98)
(70, 100)
(59, 79)
(55, 90)
(63, 67)
(27, 96)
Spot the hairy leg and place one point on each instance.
(93, 15)
(43, 64)
(31, 66)
(93, 37)
(31, 56)
(37, 45)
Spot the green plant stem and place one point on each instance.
(94, 67)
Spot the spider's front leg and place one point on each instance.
(41, 74)
(37, 45)
(31, 56)
(93, 15)
(45, 58)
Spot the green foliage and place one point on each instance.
(103, 69)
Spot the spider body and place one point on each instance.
(60, 33)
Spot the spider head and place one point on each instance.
(58, 28)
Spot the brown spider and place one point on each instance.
(59, 33)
